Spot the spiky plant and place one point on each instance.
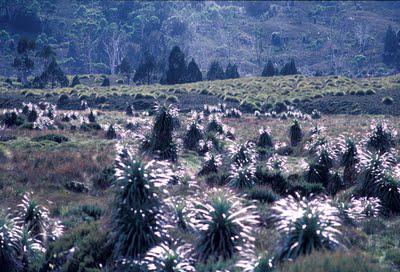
(211, 164)
(194, 133)
(170, 257)
(357, 209)
(111, 134)
(181, 214)
(388, 191)
(381, 137)
(91, 117)
(242, 153)
(335, 183)
(31, 249)
(371, 171)
(306, 225)
(242, 176)
(137, 219)
(264, 139)
(349, 159)
(35, 218)
(224, 226)
(161, 138)
(214, 124)
(276, 163)
(295, 133)
(10, 245)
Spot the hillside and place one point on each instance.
(323, 37)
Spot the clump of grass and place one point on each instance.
(295, 133)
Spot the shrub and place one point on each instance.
(242, 154)
(262, 194)
(10, 236)
(381, 137)
(105, 178)
(111, 134)
(306, 226)
(333, 262)
(295, 133)
(388, 191)
(75, 81)
(170, 257)
(194, 133)
(58, 138)
(264, 138)
(349, 159)
(92, 117)
(161, 142)
(11, 119)
(224, 226)
(211, 164)
(106, 82)
(242, 176)
(387, 100)
(137, 218)
(214, 124)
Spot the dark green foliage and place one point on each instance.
(23, 63)
(349, 160)
(305, 188)
(391, 46)
(192, 137)
(264, 139)
(11, 119)
(32, 115)
(10, 247)
(275, 179)
(295, 133)
(269, 70)
(105, 178)
(125, 69)
(75, 81)
(289, 68)
(136, 227)
(335, 183)
(388, 191)
(91, 117)
(193, 73)
(129, 110)
(342, 261)
(242, 176)
(90, 126)
(105, 82)
(215, 71)
(91, 249)
(176, 66)
(53, 75)
(210, 165)
(146, 69)
(161, 142)
(381, 138)
(214, 124)
(58, 138)
(262, 194)
(231, 71)
(223, 229)
(111, 134)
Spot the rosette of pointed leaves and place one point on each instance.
(10, 245)
(161, 138)
(170, 257)
(35, 218)
(381, 137)
(211, 164)
(224, 225)
(242, 153)
(349, 159)
(295, 133)
(371, 171)
(388, 190)
(182, 214)
(359, 209)
(138, 217)
(242, 176)
(264, 139)
(194, 133)
(306, 226)
(31, 248)
(214, 124)
(276, 163)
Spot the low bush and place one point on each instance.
(58, 138)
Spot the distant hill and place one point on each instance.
(329, 37)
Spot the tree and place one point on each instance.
(23, 63)
(176, 66)
(125, 69)
(146, 69)
(269, 70)
(193, 72)
(289, 68)
(75, 81)
(215, 71)
(115, 47)
(47, 54)
(53, 75)
(232, 71)
(391, 46)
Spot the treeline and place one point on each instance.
(391, 49)
(178, 70)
